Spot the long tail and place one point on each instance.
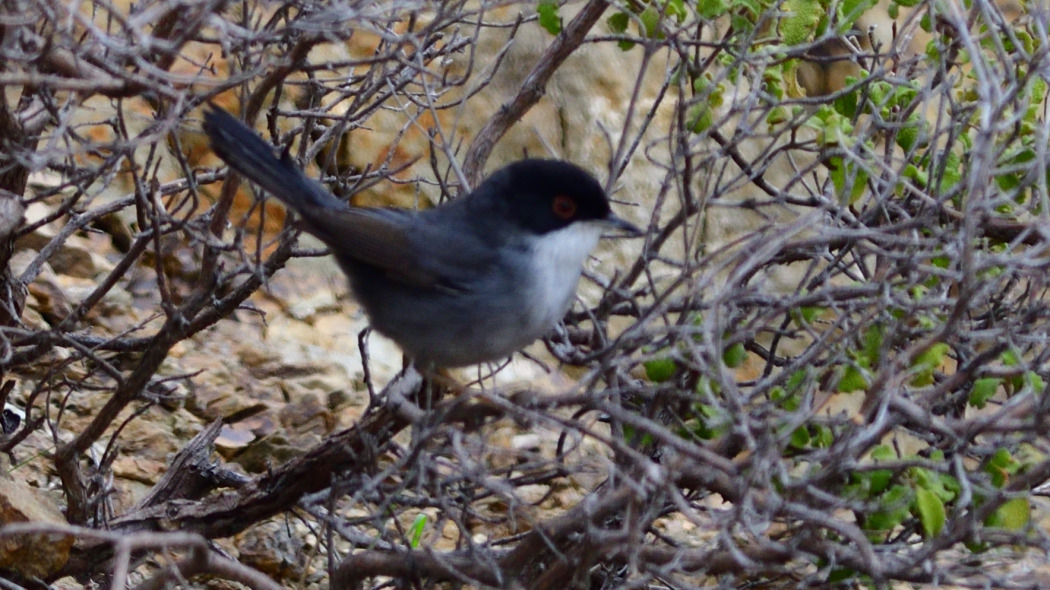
(249, 154)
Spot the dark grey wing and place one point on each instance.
(374, 238)
(406, 247)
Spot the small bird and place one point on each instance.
(470, 281)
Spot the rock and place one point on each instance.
(75, 257)
(526, 442)
(272, 549)
(36, 555)
(307, 413)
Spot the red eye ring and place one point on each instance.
(564, 207)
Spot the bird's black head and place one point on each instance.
(542, 196)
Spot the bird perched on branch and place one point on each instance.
(467, 282)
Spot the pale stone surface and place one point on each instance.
(30, 555)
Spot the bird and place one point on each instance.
(467, 282)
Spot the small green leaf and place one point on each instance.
(660, 370)
(416, 531)
(983, 390)
(883, 453)
(618, 22)
(851, 10)
(852, 380)
(700, 118)
(931, 512)
(797, 380)
(1001, 466)
(547, 10)
(1035, 381)
(1010, 358)
(1013, 515)
(894, 508)
(849, 179)
(734, 356)
(822, 436)
(800, 20)
(912, 133)
(777, 115)
(800, 438)
(927, 362)
(873, 343)
(879, 480)
(841, 574)
(651, 22)
(676, 8)
(712, 9)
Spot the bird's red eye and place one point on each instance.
(564, 207)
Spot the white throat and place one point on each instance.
(557, 261)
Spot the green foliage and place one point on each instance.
(927, 362)
(547, 11)
(799, 24)
(899, 495)
(660, 369)
(1012, 515)
(415, 532)
(896, 151)
(649, 18)
(983, 390)
(734, 355)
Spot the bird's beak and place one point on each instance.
(623, 225)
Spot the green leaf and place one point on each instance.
(894, 508)
(618, 22)
(734, 356)
(851, 10)
(983, 390)
(852, 380)
(701, 117)
(547, 10)
(927, 362)
(777, 115)
(883, 453)
(416, 531)
(676, 8)
(846, 104)
(822, 436)
(797, 380)
(913, 133)
(661, 369)
(800, 438)
(873, 343)
(879, 480)
(916, 175)
(1035, 381)
(1013, 515)
(800, 20)
(841, 574)
(712, 9)
(849, 179)
(931, 512)
(651, 22)
(1001, 466)
(806, 315)
(1010, 358)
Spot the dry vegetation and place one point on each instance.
(825, 366)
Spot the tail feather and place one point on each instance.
(249, 154)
